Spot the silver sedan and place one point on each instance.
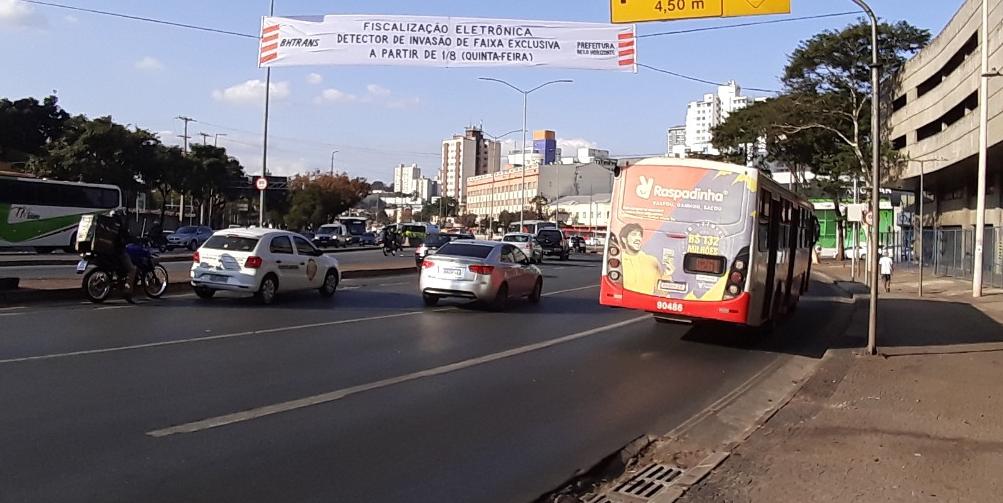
(485, 271)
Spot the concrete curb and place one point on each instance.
(72, 260)
(23, 296)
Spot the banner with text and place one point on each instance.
(445, 42)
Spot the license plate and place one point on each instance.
(217, 278)
(81, 266)
(455, 273)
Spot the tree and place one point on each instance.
(214, 177)
(539, 203)
(469, 220)
(27, 127)
(822, 120)
(505, 219)
(98, 151)
(317, 200)
(165, 172)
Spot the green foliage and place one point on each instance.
(27, 127)
(317, 200)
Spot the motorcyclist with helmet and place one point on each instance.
(122, 240)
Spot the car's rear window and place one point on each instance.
(231, 243)
(455, 249)
(436, 240)
(515, 239)
(552, 235)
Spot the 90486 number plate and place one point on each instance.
(672, 307)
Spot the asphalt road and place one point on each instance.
(178, 269)
(366, 397)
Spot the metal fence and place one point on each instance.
(951, 252)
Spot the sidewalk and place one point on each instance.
(921, 422)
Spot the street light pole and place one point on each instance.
(525, 118)
(332, 161)
(872, 322)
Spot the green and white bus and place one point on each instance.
(44, 214)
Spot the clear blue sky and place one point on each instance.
(147, 74)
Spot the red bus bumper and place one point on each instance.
(732, 311)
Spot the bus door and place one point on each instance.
(794, 213)
(772, 244)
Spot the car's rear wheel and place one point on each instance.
(204, 293)
(330, 284)
(500, 301)
(537, 294)
(268, 291)
(430, 300)
(193, 245)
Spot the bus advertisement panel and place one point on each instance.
(44, 214)
(677, 231)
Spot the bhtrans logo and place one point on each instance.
(646, 188)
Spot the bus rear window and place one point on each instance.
(683, 194)
(231, 243)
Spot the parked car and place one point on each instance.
(189, 236)
(331, 235)
(433, 242)
(263, 262)
(527, 243)
(554, 243)
(491, 272)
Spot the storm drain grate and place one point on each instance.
(650, 481)
(599, 498)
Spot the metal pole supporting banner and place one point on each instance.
(922, 170)
(525, 120)
(264, 142)
(856, 235)
(980, 205)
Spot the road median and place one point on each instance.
(71, 259)
(67, 289)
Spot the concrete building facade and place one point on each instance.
(676, 142)
(704, 115)
(465, 156)
(935, 118)
(491, 194)
(406, 177)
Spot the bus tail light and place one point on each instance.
(738, 275)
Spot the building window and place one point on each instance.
(899, 143)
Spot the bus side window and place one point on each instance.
(763, 231)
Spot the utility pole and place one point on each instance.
(264, 142)
(185, 137)
(872, 322)
(205, 138)
(215, 141)
(980, 205)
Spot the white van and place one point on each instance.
(335, 235)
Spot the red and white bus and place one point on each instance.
(693, 240)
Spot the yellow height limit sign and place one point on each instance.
(637, 11)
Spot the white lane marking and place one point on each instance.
(207, 338)
(395, 284)
(11, 314)
(569, 290)
(840, 300)
(278, 408)
(354, 287)
(108, 308)
(12, 308)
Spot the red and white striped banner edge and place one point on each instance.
(627, 45)
(269, 44)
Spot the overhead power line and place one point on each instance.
(702, 81)
(750, 23)
(144, 19)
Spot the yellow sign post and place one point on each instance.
(637, 11)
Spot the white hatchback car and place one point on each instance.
(262, 262)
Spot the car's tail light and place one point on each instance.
(427, 264)
(196, 258)
(482, 269)
(253, 262)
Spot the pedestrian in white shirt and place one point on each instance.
(885, 265)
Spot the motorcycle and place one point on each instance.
(391, 247)
(103, 273)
